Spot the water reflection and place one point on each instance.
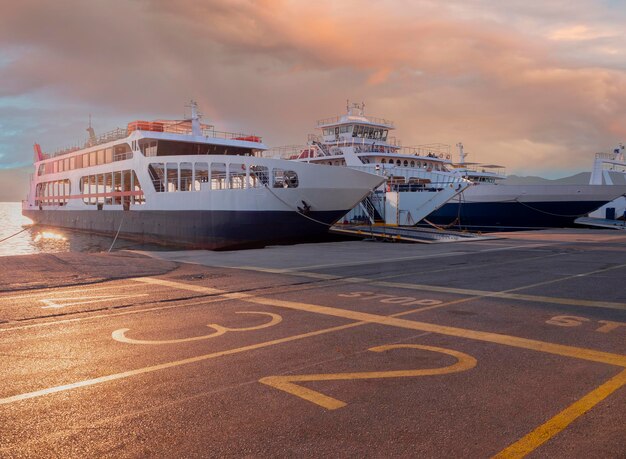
(39, 239)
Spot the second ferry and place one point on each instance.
(181, 182)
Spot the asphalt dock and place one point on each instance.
(508, 347)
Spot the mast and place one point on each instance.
(462, 153)
(195, 119)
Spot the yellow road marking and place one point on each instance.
(120, 335)
(558, 423)
(508, 340)
(286, 383)
(462, 291)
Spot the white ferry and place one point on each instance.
(494, 205)
(184, 183)
(417, 179)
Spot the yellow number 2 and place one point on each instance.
(286, 383)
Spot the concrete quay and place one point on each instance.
(506, 347)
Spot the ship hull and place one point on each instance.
(502, 207)
(511, 216)
(201, 229)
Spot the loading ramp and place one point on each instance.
(406, 233)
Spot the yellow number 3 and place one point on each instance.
(286, 383)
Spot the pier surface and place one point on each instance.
(506, 347)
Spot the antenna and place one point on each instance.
(196, 129)
(92, 134)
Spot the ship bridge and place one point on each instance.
(354, 125)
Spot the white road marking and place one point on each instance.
(120, 335)
(62, 302)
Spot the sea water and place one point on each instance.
(18, 238)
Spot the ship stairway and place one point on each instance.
(322, 147)
(371, 205)
(156, 180)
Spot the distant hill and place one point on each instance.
(577, 179)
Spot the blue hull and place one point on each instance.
(511, 216)
(214, 230)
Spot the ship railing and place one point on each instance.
(111, 136)
(123, 156)
(289, 151)
(488, 169)
(433, 150)
(610, 156)
(371, 119)
(413, 175)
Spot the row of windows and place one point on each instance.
(200, 176)
(122, 186)
(423, 164)
(94, 158)
(54, 193)
(365, 132)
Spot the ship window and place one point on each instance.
(148, 147)
(406, 163)
(93, 189)
(117, 186)
(278, 176)
(186, 177)
(108, 187)
(237, 174)
(101, 187)
(73, 163)
(412, 163)
(382, 161)
(202, 175)
(92, 158)
(218, 176)
(397, 162)
(171, 174)
(384, 135)
(100, 156)
(122, 152)
(108, 155)
(291, 179)
(138, 197)
(157, 175)
(259, 176)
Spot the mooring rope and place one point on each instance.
(20, 231)
(118, 233)
(297, 210)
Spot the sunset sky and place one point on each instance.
(536, 86)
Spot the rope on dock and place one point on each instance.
(20, 231)
(117, 234)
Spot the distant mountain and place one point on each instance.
(577, 179)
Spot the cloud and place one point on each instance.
(513, 82)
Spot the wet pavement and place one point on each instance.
(509, 347)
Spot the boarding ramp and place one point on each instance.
(406, 233)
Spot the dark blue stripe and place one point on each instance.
(215, 230)
(503, 216)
